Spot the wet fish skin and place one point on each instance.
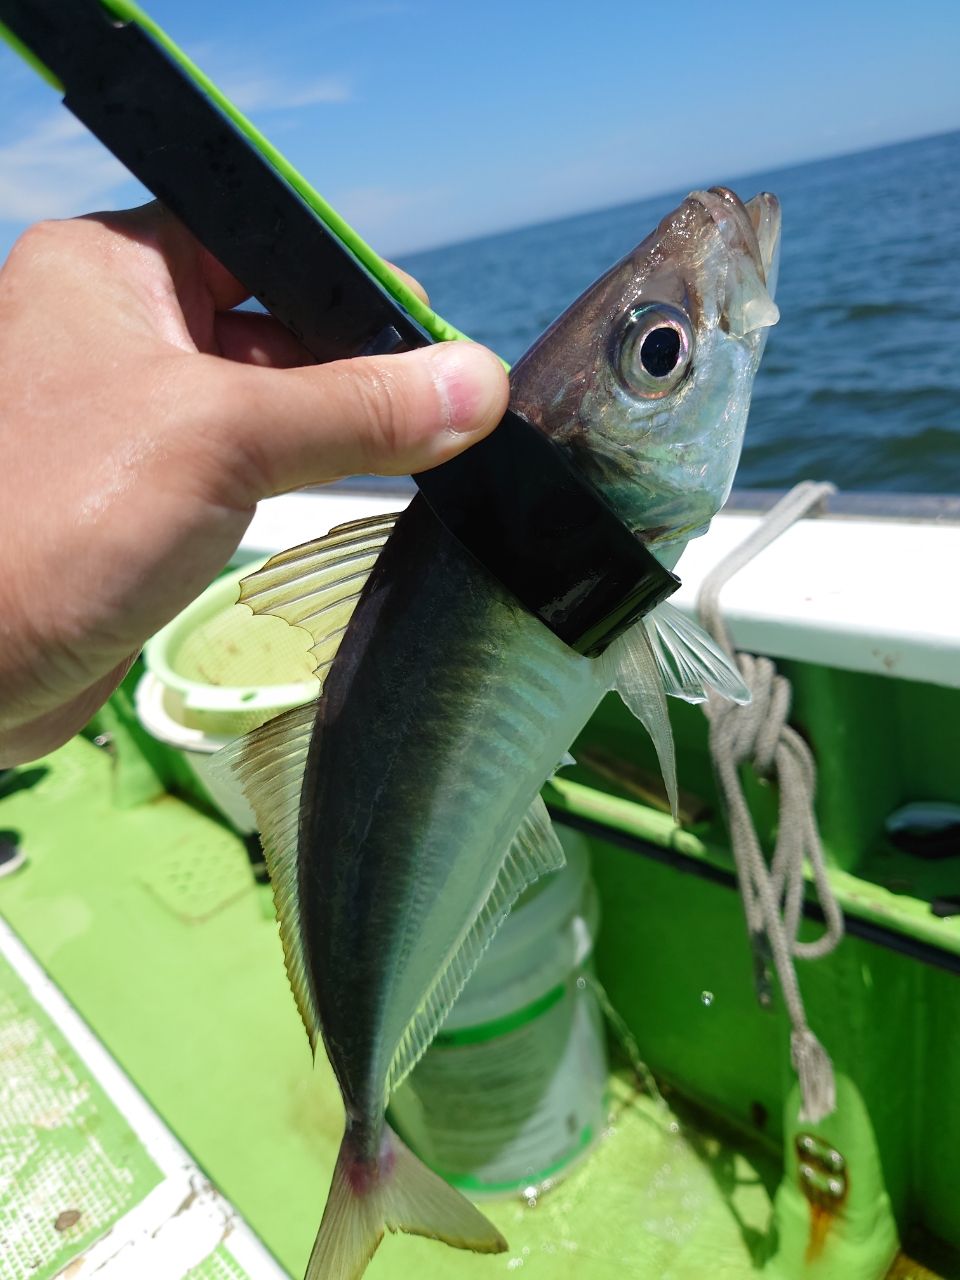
(666, 465)
(400, 814)
(484, 700)
(402, 835)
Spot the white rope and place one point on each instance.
(758, 734)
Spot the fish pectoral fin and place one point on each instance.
(534, 851)
(401, 1194)
(631, 667)
(270, 763)
(689, 660)
(668, 653)
(316, 586)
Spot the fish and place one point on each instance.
(400, 811)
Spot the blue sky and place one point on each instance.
(427, 122)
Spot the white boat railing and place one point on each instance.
(871, 585)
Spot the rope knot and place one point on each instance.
(752, 732)
(772, 887)
(772, 695)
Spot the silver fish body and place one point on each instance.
(404, 825)
(400, 813)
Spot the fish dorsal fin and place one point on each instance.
(270, 763)
(534, 850)
(689, 661)
(317, 585)
(631, 667)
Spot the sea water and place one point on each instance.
(860, 383)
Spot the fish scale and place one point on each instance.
(515, 743)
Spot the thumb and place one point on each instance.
(389, 415)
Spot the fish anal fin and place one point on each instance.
(316, 586)
(269, 763)
(534, 851)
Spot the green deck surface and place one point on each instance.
(219, 1266)
(148, 921)
(70, 1165)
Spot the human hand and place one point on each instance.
(142, 420)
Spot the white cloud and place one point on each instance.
(271, 93)
(54, 170)
(377, 212)
(253, 86)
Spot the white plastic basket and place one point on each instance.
(216, 672)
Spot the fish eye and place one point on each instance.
(655, 350)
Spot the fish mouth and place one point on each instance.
(764, 211)
(751, 234)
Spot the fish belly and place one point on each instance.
(445, 711)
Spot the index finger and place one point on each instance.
(410, 281)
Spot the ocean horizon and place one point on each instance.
(860, 383)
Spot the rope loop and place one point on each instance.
(760, 736)
(755, 729)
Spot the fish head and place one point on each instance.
(646, 378)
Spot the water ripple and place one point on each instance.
(861, 381)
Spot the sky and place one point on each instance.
(426, 122)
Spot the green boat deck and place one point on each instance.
(91, 1180)
(143, 911)
(149, 921)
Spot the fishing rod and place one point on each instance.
(513, 500)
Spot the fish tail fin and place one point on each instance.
(397, 1193)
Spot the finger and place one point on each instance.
(40, 736)
(251, 338)
(188, 262)
(411, 282)
(283, 428)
